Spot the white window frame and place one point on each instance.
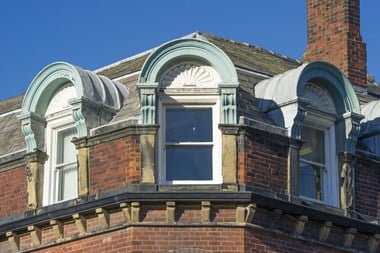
(208, 101)
(55, 125)
(329, 176)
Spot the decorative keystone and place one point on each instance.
(13, 240)
(206, 209)
(349, 237)
(135, 212)
(325, 231)
(170, 212)
(300, 224)
(57, 228)
(104, 217)
(126, 209)
(81, 223)
(373, 243)
(35, 233)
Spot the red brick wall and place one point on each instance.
(159, 239)
(334, 36)
(13, 196)
(262, 162)
(114, 164)
(188, 239)
(367, 188)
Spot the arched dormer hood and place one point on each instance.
(96, 99)
(284, 99)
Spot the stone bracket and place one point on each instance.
(373, 243)
(80, 222)
(276, 213)
(349, 237)
(206, 210)
(104, 217)
(170, 212)
(126, 209)
(135, 212)
(35, 233)
(13, 240)
(300, 224)
(324, 231)
(58, 228)
(245, 214)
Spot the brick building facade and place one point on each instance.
(202, 144)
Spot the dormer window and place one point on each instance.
(318, 173)
(189, 114)
(61, 170)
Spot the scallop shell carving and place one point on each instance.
(319, 97)
(190, 75)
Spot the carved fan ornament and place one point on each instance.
(319, 97)
(189, 75)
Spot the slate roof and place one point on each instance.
(253, 64)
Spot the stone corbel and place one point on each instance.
(35, 234)
(58, 228)
(34, 175)
(135, 212)
(324, 231)
(228, 97)
(206, 211)
(104, 217)
(13, 240)
(300, 224)
(81, 223)
(126, 209)
(349, 237)
(33, 128)
(245, 214)
(170, 212)
(373, 243)
(276, 216)
(148, 103)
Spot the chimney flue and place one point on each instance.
(333, 34)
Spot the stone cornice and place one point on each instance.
(87, 205)
(122, 129)
(12, 161)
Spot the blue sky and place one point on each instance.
(94, 33)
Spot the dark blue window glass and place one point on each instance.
(189, 163)
(188, 125)
(188, 144)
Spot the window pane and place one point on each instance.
(188, 125)
(68, 186)
(66, 151)
(310, 181)
(314, 148)
(189, 163)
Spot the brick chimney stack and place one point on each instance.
(333, 34)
